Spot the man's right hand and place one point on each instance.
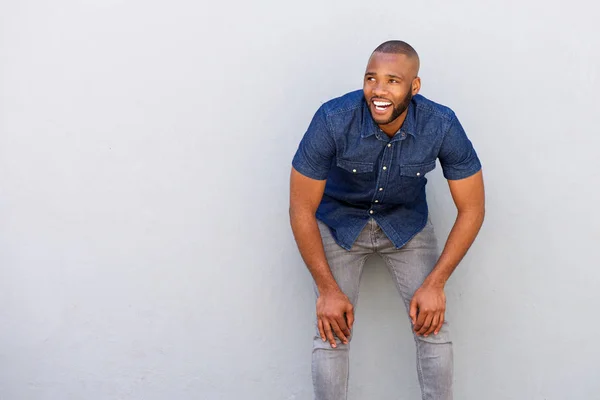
(335, 315)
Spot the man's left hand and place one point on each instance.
(427, 309)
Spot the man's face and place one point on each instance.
(390, 83)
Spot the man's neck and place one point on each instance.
(393, 127)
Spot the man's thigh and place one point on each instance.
(346, 265)
(411, 264)
(409, 267)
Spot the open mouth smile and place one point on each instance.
(381, 106)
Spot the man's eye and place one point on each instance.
(370, 79)
(393, 81)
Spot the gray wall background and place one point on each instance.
(145, 149)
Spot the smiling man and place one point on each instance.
(357, 188)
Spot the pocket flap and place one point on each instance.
(355, 167)
(417, 171)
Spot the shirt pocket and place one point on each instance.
(416, 171)
(355, 167)
(352, 181)
(412, 180)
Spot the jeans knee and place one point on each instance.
(319, 344)
(442, 337)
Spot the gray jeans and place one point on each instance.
(409, 266)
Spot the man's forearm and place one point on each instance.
(308, 237)
(463, 233)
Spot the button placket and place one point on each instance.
(382, 177)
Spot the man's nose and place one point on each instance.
(380, 89)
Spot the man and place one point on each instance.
(358, 187)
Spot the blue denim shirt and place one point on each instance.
(370, 175)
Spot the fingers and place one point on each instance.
(350, 318)
(426, 324)
(332, 329)
(345, 332)
(339, 330)
(413, 311)
(328, 329)
(341, 321)
(335, 315)
(329, 334)
(322, 330)
(434, 324)
(420, 320)
(440, 323)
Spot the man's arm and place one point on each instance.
(335, 313)
(428, 305)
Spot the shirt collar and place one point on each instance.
(369, 127)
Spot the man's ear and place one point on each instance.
(416, 85)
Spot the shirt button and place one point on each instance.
(371, 211)
(389, 145)
(418, 174)
(380, 189)
(354, 170)
(384, 168)
(376, 201)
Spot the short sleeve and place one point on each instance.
(316, 150)
(457, 155)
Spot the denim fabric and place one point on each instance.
(409, 267)
(370, 174)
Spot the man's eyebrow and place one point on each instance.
(388, 75)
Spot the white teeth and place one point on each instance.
(381, 103)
